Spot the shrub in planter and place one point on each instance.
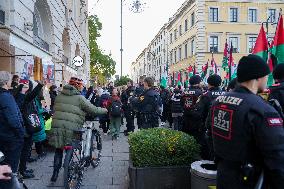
(159, 147)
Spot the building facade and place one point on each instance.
(202, 27)
(40, 38)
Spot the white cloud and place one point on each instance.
(139, 28)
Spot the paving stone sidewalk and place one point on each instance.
(112, 173)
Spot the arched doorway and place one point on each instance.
(42, 33)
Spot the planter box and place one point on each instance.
(159, 177)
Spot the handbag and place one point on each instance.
(33, 121)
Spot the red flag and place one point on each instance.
(190, 69)
(261, 44)
(178, 76)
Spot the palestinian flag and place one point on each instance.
(194, 70)
(164, 80)
(225, 62)
(214, 65)
(261, 45)
(204, 70)
(231, 63)
(190, 71)
(278, 42)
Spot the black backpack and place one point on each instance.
(115, 110)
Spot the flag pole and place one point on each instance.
(230, 62)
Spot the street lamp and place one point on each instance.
(137, 7)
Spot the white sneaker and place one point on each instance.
(105, 134)
(162, 123)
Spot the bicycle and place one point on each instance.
(84, 151)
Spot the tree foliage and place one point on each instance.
(102, 65)
(122, 81)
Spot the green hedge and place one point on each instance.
(159, 147)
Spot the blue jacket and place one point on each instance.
(11, 121)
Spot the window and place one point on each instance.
(185, 51)
(179, 54)
(185, 25)
(175, 56)
(233, 14)
(213, 15)
(193, 19)
(175, 34)
(213, 43)
(192, 52)
(271, 15)
(171, 58)
(171, 38)
(252, 16)
(149, 67)
(180, 30)
(251, 43)
(235, 42)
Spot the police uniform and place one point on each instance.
(189, 99)
(149, 104)
(138, 92)
(128, 109)
(165, 96)
(246, 130)
(277, 92)
(199, 115)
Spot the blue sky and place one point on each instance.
(139, 28)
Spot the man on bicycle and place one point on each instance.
(70, 111)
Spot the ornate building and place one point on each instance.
(39, 38)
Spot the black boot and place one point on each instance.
(57, 163)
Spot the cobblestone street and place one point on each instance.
(112, 173)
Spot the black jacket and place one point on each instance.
(25, 103)
(125, 98)
(176, 101)
(246, 129)
(11, 121)
(277, 92)
(149, 102)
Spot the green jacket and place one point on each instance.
(70, 111)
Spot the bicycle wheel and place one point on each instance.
(73, 170)
(96, 147)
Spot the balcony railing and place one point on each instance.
(2, 17)
(41, 43)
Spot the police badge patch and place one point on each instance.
(222, 122)
(275, 122)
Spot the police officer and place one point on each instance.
(277, 90)
(165, 96)
(201, 109)
(189, 99)
(138, 92)
(176, 107)
(127, 107)
(247, 132)
(149, 105)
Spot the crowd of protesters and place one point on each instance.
(230, 124)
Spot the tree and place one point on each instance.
(101, 65)
(122, 81)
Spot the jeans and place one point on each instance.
(177, 123)
(115, 126)
(26, 151)
(129, 115)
